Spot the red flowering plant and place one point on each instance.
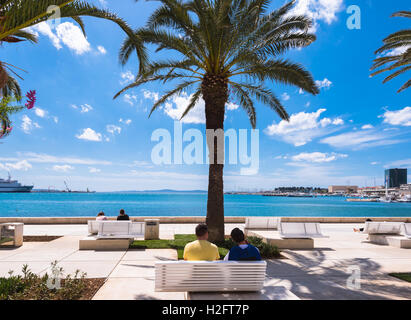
(7, 108)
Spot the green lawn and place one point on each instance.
(180, 240)
(402, 276)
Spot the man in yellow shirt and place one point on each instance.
(201, 249)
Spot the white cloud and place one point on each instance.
(303, 127)
(94, 170)
(27, 125)
(46, 158)
(374, 163)
(301, 91)
(56, 119)
(232, 106)
(397, 51)
(399, 117)
(89, 134)
(101, 49)
(178, 104)
(40, 112)
(66, 33)
(318, 10)
(130, 99)
(62, 168)
(405, 163)
(83, 108)
(150, 95)
(360, 139)
(285, 96)
(125, 121)
(317, 157)
(323, 83)
(23, 165)
(113, 129)
(367, 126)
(126, 77)
(73, 38)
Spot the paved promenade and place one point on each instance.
(321, 273)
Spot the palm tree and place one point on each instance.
(17, 15)
(223, 47)
(397, 53)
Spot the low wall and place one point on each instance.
(83, 220)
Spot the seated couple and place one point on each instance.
(201, 249)
(122, 216)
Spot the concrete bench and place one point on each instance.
(261, 223)
(300, 230)
(407, 230)
(120, 229)
(112, 235)
(392, 228)
(209, 276)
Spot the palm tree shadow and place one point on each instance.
(314, 277)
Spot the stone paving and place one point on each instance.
(321, 273)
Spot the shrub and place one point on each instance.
(31, 286)
(267, 251)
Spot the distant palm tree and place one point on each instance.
(223, 47)
(16, 15)
(401, 59)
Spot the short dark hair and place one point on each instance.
(237, 235)
(122, 211)
(368, 220)
(201, 229)
(100, 214)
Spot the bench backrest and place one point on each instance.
(262, 222)
(212, 276)
(407, 229)
(300, 230)
(383, 227)
(93, 226)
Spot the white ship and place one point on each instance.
(13, 186)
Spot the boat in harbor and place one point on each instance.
(13, 186)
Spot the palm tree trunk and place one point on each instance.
(215, 97)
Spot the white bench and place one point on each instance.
(382, 228)
(209, 276)
(264, 223)
(93, 226)
(407, 230)
(300, 230)
(119, 229)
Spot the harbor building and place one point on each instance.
(342, 189)
(394, 178)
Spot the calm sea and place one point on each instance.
(187, 204)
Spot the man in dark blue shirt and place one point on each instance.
(122, 216)
(243, 251)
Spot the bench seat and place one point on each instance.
(209, 276)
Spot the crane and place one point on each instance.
(67, 188)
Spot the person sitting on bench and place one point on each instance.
(201, 249)
(101, 216)
(243, 251)
(361, 229)
(122, 216)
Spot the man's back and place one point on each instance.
(123, 217)
(201, 250)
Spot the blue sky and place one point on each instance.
(354, 129)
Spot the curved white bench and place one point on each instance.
(264, 223)
(300, 230)
(382, 228)
(209, 276)
(119, 229)
(407, 230)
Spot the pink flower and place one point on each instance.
(31, 99)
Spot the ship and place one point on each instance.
(13, 186)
